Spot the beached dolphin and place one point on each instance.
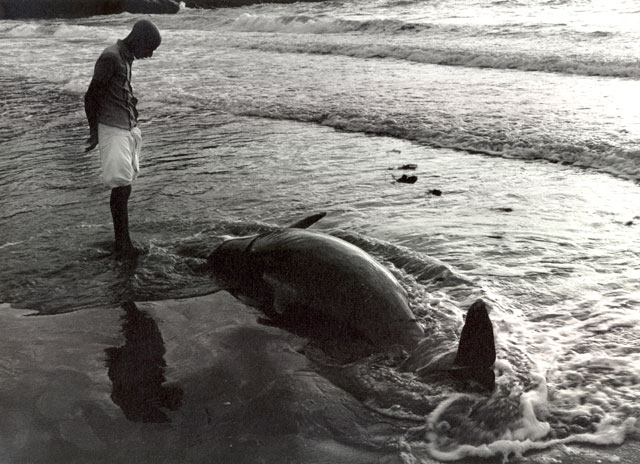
(293, 270)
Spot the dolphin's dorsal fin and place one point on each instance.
(308, 221)
(477, 351)
(477, 345)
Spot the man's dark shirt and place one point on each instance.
(116, 106)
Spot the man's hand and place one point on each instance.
(92, 141)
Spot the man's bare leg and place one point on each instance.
(120, 214)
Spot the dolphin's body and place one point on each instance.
(293, 270)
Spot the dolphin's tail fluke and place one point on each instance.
(476, 351)
(308, 221)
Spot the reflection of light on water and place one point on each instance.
(9, 244)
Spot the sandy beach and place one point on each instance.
(240, 392)
(246, 393)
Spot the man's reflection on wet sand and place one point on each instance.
(136, 370)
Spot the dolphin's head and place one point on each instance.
(229, 263)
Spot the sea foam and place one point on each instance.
(58, 30)
(527, 432)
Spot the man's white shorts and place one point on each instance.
(119, 153)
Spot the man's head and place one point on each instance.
(143, 39)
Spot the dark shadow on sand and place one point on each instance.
(136, 370)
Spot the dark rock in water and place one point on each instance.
(151, 6)
(628, 223)
(504, 209)
(435, 192)
(234, 3)
(410, 166)
(407, 179)
(34, 9)
(37, 9)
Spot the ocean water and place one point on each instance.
(522, 113)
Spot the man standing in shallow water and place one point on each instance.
(113, 122)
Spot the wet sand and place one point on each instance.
(191, 380)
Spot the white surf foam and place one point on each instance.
(58, 30)
(299, 24)
(528, 433)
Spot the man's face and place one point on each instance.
(143, 39)
(143, 50)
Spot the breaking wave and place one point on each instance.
(582, 66)
(424, 43)
(303, 24)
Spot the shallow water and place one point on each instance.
(256, 117)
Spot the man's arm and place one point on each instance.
(104, 70)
